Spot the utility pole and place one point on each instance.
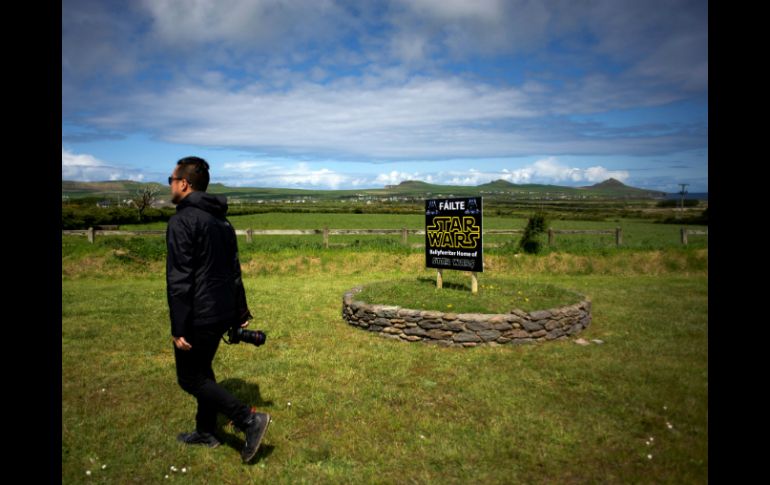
(682, 192)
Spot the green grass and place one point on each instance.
(638, 234)
(369, 410)
(495, 295)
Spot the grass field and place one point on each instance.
(351, 407)
(637, 233)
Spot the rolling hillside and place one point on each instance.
(411, 189)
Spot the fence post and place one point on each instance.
(550, 236)
(249, 233)
(91, 234)
(440, 278)
(618, 236)
(683, 232)
(404, 236)
(326, 237)
(474, 283)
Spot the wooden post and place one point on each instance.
(326, 237)
(91, 234)
(618, 236)
(249, 233)
(474, 283)
(440, 278)
(683, 232)
(404, 236)
(550, 236)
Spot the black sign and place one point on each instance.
(453, 234)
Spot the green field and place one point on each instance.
(637, 233)
(369, 410)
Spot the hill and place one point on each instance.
(409, 190)
(618, 188)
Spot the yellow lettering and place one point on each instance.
(453, 232)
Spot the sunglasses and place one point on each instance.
(170, 179)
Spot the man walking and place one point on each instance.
(205, 299)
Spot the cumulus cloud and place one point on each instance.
(255, 25)
(550, 170)
(286, 173)
(395, 177)
(87, 168)
(361, 119)
(376, 82)
(283, 175)
(544, 171)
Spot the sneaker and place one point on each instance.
(255, 429)
(196, 438)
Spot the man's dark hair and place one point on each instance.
(196, 171)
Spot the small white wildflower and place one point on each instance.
(422, 436)
(652, 439)
(104, 390)
(288, 403)
(184, 470)
(665, 408)
(104, 467)
(166, 476)
(647, 443)
(670, 426)
(649, 457)
(173, 468)
(88, 472)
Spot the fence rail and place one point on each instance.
(91, 233)
(685, 232)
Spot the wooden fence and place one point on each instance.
(684, 232)
(404, 232)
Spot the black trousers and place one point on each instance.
(195, 376)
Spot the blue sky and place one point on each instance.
(336, 94)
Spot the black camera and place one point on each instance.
(239, 334)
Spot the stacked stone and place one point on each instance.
(466, 329)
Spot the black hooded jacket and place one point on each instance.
(203, 273)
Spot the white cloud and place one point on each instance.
(256, 23)
(87, 168)
(362, 118)
(287, 173)
(544, 171)
(282, 175)
(72, 160)
(395, 177)
(421, 117)
(376, 82)
(489, 10)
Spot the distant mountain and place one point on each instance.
(411, 185)
(71, 187)
(498, 184)
(618, 188)
(610, 183)
(406, 190)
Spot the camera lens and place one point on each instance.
(253, 337)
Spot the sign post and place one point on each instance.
(453, 237)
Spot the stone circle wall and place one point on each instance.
(466, 329)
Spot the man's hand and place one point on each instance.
(182, 344)
(245, 324)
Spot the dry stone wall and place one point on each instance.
(466, 329)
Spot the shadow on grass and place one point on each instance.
(230, 435)
(446, 284)
(247, 392)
